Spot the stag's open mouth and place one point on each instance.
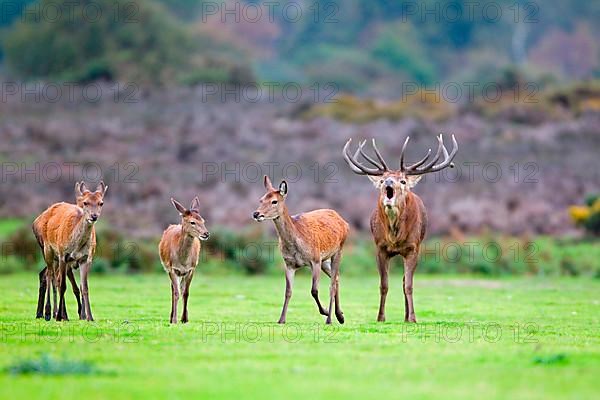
(389, 192)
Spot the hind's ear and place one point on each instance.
(178, 206)
(78, 191)
(195, 206)
(102, 188)
(267, 183)
(283, 188)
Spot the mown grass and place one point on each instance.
(504, 338)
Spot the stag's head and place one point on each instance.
(271, 205)
(394, 185)
(192, 222)
(90, 202)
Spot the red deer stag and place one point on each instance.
(399, 221)
(68, 239)
(314, 238)
(179, 250)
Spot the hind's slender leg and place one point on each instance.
(41, 293)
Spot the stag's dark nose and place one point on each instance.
(389, 182)
(256, 214)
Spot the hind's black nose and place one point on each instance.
(256, 214)
(94, 217)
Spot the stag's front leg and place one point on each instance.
(86, 308)
(290, 272)
(410, 265)
(316, 276)
(382, 264)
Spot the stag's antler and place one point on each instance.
(355, 165)
(431, 165)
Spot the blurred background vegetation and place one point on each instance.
(368, 50)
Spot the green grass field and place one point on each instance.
(510, 338)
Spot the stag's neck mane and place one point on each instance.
(394, 218)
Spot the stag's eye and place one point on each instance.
(274, 202)
(101, 203)
(85, 203)
(192, 223)
(403, 182)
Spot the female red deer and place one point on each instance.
(68, 239)
(179, 250)
(399, 221)
(314, 238)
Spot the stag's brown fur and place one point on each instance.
(314, 238)
(399, 222)
(179, 250)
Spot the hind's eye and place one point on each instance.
(274, 202)
(192, 223)
(403, 182)
(85, 203)
(101, 203)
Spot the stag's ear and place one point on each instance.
(412, 180)
(195, 206)
(268, 184)
(178, 206)
(377, 180)
(102, 188)
(283, 188)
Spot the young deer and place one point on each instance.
(399, 221)
(315, 238)
(179, 250)
(68, 239)
(45, 278)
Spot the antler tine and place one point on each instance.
(367, 157)
(402, 154)
(356, 166)
(430, 167)
(378, 154)
(420, 162)
(436, 158)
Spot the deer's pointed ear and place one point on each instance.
(83, 188)
(195, 206)
(78, 191)
(283, 188)
(178, 206)
(267, 183)
(102, 188)
(412, 180)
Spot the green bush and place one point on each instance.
(145, 46)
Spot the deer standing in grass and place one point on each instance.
(67, 237)
(179, 250)
(45, 279)
(399, 221)
(314, 238)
